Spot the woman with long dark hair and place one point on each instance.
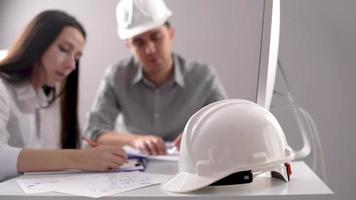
(39, 129)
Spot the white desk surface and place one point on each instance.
(304, 184)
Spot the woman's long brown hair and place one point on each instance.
(28, 50)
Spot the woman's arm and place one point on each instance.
(94, 159)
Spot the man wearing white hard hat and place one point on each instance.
(156, 90)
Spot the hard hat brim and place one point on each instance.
(125, 33)
(187, 182)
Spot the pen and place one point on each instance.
(90, 142)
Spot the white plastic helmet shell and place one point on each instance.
(138, 16)
(226, 137)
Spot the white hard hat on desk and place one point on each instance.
(229, 142)
(138, 16)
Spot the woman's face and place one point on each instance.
(59, 60)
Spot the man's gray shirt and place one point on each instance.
(146, 109)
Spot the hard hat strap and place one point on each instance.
(236, 178)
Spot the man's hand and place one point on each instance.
(177, 141)
(149, 144)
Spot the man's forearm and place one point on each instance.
(115, 138)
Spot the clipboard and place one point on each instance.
(135, 163)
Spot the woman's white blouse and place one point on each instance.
(24, 123)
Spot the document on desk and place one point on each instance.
(94, 185)
(171, 156)
(28, 185)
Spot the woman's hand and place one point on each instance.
(102, 158)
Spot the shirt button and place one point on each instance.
(156, 115)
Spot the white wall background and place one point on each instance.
(317, 48)
(318, 51)
(224, 33)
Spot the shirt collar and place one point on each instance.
(138, 73)
(25, 92)
(178, 76)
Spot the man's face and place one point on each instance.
(153, 49)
